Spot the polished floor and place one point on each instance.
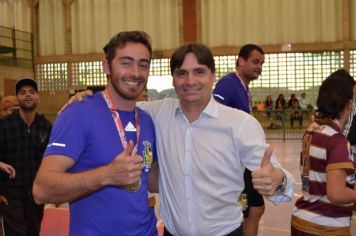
(275, 222)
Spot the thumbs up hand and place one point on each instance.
(267, 178)
(126, 168)
(266, 160)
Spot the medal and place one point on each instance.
(147, 155)
(133, 187)
(130, 187)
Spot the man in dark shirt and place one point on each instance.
(23, 139)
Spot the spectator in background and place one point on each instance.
(23, 138)
(269, 108)
(296, 113)
(269, 105)
(326, 164)
(303, 101)
(8, 105)
(279, 108)
(280, 102)
(292, 99)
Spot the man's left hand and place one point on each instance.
(267, 178)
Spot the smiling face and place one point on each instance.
(193, 82)
(128, 71)
(251, 68)
(28, 98)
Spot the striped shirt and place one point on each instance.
(325, 148)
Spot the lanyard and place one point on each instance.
(120, 129)
(249, 97)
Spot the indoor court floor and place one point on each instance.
(275, 222)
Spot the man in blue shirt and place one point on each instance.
(106, 180)
(232, 90)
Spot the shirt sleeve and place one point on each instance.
(253, 145)
(152, 107)
(338, 154)
(68, 135)
(221, 93)
(289, 190)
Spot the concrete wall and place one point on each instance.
(50, 102)
(12, 73)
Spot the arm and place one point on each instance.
(336, 189)
(153, 177)
(53, 184)
(76, 97)
(267, 172)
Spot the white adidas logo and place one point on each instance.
(130, 128)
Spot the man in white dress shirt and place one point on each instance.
(203, 151)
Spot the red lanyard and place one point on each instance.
(246, 90)
(118, 123)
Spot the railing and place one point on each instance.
(279, 124)
(16, 48)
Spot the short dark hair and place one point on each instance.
(246, 50)
(120, 40)
(334, 93)
(202, 52)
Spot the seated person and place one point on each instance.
(279, 107)
(296, 113)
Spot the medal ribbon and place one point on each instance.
(120, 129)
(247, 91)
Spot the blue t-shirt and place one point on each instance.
(230, 91)
(86, 132)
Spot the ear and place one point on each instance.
(241, 60)
(106, 66)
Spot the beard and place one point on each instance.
(26, 107)
(127, 94)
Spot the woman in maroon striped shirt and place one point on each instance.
(326, 164)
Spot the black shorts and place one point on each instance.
(254, 199)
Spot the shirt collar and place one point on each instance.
(212, 109)
(335, 124)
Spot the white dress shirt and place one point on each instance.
(202, 166)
